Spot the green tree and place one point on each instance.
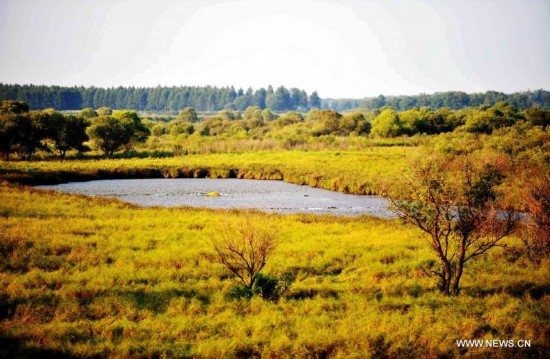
(379, 101)
(295, 98)
(32, 130)
(188, 114)
(14, 107)
(314, 100)
(269, 97)
(87, 113)
(280, 100)
(325, 121)
(228, 115)
(113, 133)
(21, 131)
(104, 111)
(109, 134)
(181, 128)
(538, 116)
(12, 114)
(248, 100)
(288, 118)
(138, 131)
(10, 133)
(413, 122)
(259, 98)
(387, 124)
(303, 100)
(354, 122)
(214, 126)
(158, 130)
(488, 119)
(268, 115)
(66, 132)
(252, 112)
(230, 107)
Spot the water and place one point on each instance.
(273, 196)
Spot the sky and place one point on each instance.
(342, 49)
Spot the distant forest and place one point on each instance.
(208, 98)
(160, 99)
(454, 100)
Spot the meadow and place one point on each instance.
(98, 277)
(357, 172)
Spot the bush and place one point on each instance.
(238, 292)
(268, 287)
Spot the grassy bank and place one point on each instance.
(357, 172)
(89, 276)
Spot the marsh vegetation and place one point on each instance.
(90, 276)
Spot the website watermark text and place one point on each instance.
(493, 343)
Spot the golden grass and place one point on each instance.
(91, 276)
(358, 172)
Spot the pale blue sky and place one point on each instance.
(347, 48)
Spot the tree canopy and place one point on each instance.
(158, 99)
(454, 200)
(120, 130)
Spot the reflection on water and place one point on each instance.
(276, 196)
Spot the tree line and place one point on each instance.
(23, 131)
(454, 100)
(482, 120)
(208, 98)
(160, 99)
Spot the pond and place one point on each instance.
(271, 196)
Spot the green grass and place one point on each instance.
(97, 277)
(357, 172)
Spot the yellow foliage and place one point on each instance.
(94, 277)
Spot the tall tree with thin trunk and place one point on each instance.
(455, 202)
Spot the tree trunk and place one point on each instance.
(456, 282)
(460, 264)
(446, 277)
(252, 277)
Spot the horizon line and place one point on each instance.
(529, 90)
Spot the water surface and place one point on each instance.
(275, 196)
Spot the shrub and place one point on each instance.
(238, 292)
(268, 287)
(244, 248)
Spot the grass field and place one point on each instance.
(357, 172)
(89, 276)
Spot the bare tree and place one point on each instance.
(245, 246)
(455, 202)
